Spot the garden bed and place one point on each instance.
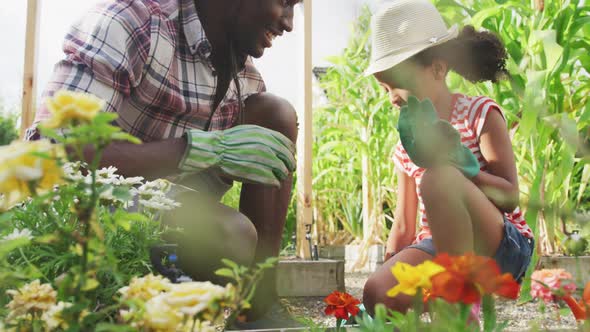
(520, 317)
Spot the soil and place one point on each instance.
(520, 317)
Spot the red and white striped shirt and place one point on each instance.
(468, 117)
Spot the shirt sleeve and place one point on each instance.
(105, 53)
(401, 159)
(479, 113)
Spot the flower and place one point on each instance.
(28, 165)
(341, 305)
(145, 288)
(547, 282)
(467, 278)
(72, 171)
(53, 316)
(18, 234)
(159, 203)
(580, 308)
(192, 298)
(160, 316)
(132, 181)
(68, 106)
(411, 278)
(32, 298)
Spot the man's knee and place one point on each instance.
(272, 112)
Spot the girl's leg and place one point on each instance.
(461, 218)
(382, 280)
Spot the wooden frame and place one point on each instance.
(305, 143)
(29, 79)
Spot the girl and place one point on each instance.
(459, 212)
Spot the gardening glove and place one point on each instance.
(248, 153)
(430, 141)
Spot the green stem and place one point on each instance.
(338, 324)
(489, 313)
(22, 254)
(85, 219)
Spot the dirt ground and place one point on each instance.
(520, 317)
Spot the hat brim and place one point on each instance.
(394, 59)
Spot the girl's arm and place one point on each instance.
(500, 182)
(403, 231)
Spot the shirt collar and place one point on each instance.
(193, 30)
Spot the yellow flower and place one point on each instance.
(68, 106)
(145, 288)
(411, 278)
(22, 166)
(192, 298)
(53, 316)
(160, 316)
(32, 298)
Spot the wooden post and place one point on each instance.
(29, 79)
(305, 142)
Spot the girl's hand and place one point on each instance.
(430, 141)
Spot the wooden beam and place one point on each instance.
(305, 141)
(29, 79)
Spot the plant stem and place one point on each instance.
(85, 217)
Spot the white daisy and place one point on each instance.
(18, 234)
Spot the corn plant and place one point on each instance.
(546, 100)
(355, 138)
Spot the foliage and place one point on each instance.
(545, 100)
(69, 242)
(8, 131)
(354, 139)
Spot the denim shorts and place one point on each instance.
(513, 255)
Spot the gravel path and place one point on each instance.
(520, 317)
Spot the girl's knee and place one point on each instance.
(375, 292)
(440, 181)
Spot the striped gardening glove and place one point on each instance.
(430, 141)
(247, 153)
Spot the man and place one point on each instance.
(180, 76)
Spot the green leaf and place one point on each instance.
(230, 264)
(90, 284)
(7, 246)
(122, 193)
(225, 272)
(108, 327)
(585, 179)
(553, 51)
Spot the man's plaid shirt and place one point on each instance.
(150, 61)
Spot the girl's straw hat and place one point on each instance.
(403, 28)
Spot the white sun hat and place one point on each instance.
(403, 28)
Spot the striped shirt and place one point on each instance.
(151, 62)
(468, 117)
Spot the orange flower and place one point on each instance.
(581, 308)
(467, 278)
(341, 305)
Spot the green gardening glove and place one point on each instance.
(246, 153)
(430, 141)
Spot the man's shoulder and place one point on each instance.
(132, 13)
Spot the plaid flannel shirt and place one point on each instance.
(151, 62)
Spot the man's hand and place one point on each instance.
(248, 153)
(430, 141)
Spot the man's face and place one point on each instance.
(259, 22)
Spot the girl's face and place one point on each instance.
(408, 79)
